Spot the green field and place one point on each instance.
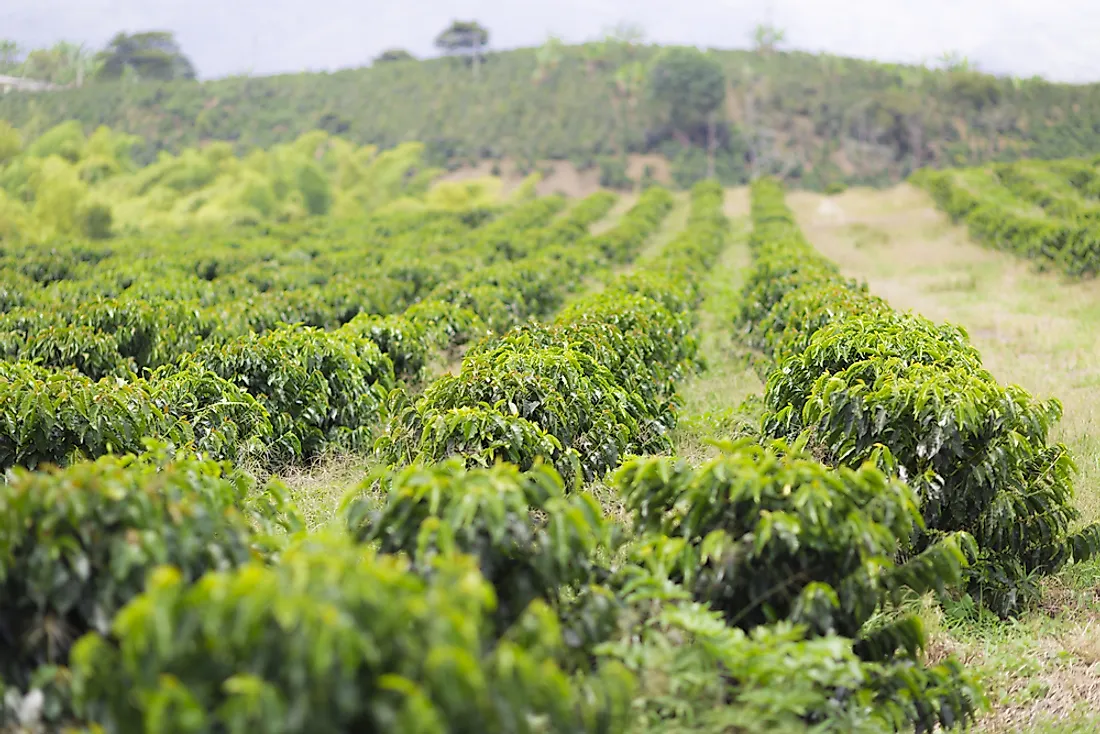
(313, 438)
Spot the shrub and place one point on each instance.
(404, 341)
(529, 539)
(334, 638)
(96, 221)
(318, 387)
(224, 420)
(58, 417)
(481, 436)
(613, 174)
(86, 350)
(767, 535)
(76, 544)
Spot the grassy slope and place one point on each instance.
(1033, 329)
(830, 117)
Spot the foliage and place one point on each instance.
(334, 638)
(11, 142)
(613, 174)
(530, 541)
(63, 64)
(271, 344)
(96, 221)
(393, 54)
(768, 536)
(76, 544)
(53, 417)
(766, 37)
(403, 340)
(222, 419)
(860, 378)
(465, 37)
(149, 54)
(64, 183)
(688, 84)
(317, 386)
(774, 679)
(889, 119)
(1045, 211)
(585, 389)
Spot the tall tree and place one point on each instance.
(10, 55)
(628, 36)
(766, 38)
(467, 38)
(150, 55)
(690, 86)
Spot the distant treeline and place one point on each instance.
(813, 119)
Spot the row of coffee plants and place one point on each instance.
(480, 599)
(259, 631)
(797, 567)
(867, 383)
(1031, 209)
(326, 635)
(580, 391)
(1039, 183)
(727, 612)
(153, 330)
(277, 396)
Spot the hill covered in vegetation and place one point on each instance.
(813, 119)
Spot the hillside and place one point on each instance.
(813, 118)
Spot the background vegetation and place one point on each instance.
(812, 119)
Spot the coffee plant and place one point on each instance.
(866, 378)
(76, 544)
(334, 638)
(1043, 211)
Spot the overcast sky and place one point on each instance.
(1053, 38)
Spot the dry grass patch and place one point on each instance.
(318, 488)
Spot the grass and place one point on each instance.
(1033, 329)
(317, 489)
(713, 399)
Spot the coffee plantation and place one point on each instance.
(519, 548)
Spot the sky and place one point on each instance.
(1051, 38)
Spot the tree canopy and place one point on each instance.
(63, 64)
(394, 54)
(461, 36)
(688, 85)
(150, 55)
(766, 38)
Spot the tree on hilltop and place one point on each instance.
(10, 54)
(394, 54)
(149, 55)
(466, 38)
(767, 37)
(548, 57)
(63, 64)
(690, 86)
